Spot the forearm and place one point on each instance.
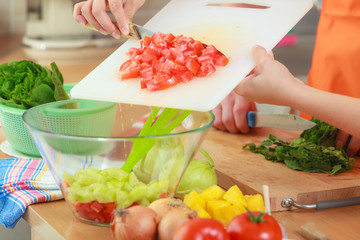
(340, 111)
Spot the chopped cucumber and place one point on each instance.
(112, 185)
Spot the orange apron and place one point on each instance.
(336, 58)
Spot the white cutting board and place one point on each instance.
(231, 30)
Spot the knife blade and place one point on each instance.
(136, 31)
(282, 121)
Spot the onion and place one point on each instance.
(163, 205)
(134, 223)
(172, 220)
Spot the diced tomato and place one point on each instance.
(143, 83)
(145, 42)
(145, 65)
(95, 211)
(193, 66)
(155, 64)
(108, 208)
(221, 60)
(205, 59)
(130, 73)
(158, 40)
(146, 72)
(133, 52)
(166, 66)
(160, 78)
(82, 209)
(188, 52)
(164, 195)
(206, 70)
(178, 68)
(174, 51)
(180, 58)
(186, 76)
(169, 37)
(134, 204)
(164, 60)
(152, 86)
(197, 46)
(149, 54)
(210, 50)
(125, 65)
(96, 206)
(166, 53)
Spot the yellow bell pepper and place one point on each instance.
(255, 202)
(234, 196)
(193, 199)
(213, 205)
(202, 213)
(213, 192)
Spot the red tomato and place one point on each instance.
(201, 229)
(259, 226)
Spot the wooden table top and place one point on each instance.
(54, 220)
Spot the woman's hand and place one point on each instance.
(354, 144)
(271, 82)
(94, 13)
(230, 114)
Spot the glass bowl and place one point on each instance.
(86, 143)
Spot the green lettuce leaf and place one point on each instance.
(314, 151)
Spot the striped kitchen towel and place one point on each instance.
(24, 181)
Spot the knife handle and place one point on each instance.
(338, 203)
(251, 119)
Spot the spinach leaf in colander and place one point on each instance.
(314, 151)
(25, 84)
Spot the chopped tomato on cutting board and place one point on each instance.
(164, 60)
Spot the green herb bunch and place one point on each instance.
(314, 151)
(25, 84)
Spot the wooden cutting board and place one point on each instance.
(232, 30)
(251, 171)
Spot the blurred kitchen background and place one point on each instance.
(49, 33)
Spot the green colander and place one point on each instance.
(15, 130)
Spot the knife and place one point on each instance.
(136, 31)
(283, 121)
